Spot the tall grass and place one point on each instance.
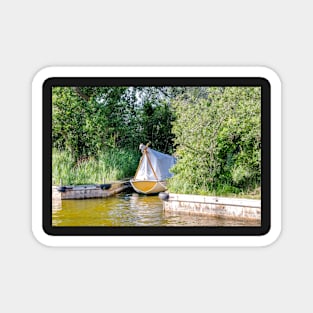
(110, 165)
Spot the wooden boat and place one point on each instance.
(152, 171)
(148, 186)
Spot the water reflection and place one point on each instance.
(129, 209)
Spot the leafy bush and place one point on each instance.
(218, 140)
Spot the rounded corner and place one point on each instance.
(271, 75)
(271, 237)
(42, 75)
(41, 236)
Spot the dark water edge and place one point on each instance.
(129, 209)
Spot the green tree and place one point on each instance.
(84, 119)
(87, 120)
(218, 140)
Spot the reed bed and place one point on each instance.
(109, 165)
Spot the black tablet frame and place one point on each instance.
(157, 230)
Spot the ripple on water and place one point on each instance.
(129, 209)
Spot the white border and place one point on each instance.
(156, 241)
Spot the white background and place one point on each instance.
(35, 34)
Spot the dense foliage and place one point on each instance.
(218, 140)
(215, 132)
(88, 120)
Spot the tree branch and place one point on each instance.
(81, 94)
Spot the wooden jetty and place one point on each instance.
(235, 208)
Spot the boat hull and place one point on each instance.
(148, 187)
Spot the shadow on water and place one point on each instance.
(128, 209)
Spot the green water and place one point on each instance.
(128, 209)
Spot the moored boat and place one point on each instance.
(152, 171)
